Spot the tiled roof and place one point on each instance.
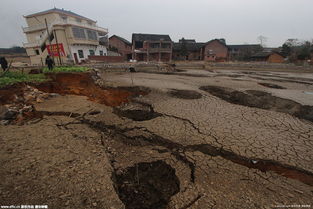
(150, 37)
(122, 39)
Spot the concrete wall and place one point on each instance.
(108, 59)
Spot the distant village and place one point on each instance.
(72, 38)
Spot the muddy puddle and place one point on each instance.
(148, 185)
(262, 100)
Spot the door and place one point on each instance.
(76, 58)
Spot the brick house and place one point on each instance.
(243, 51)
(151, 47)
(187, 49)
(214, 50)
(121, 46)
(270, 57)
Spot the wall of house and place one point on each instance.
(86, 52)
(122, 47)
(194, 55)
(219, 50)
(275, 58)
(39, 59)
(40, 19)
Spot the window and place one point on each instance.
(78, 20)
(81, 53)
(101, 53)
(155, 45)
(37, 52)
(138, 44)
(92, 52)
(92, 35)
(165, 45)
(79, 32)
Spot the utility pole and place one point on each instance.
(56, 40)
(48, 37)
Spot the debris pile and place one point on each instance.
(19, 104)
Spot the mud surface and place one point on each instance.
(263, 100)
(151, 149)
(147, 185)
(273, 86)
(185, 94)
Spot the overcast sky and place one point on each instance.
(238, 21)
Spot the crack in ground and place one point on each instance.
(178, 151)
(262, 100)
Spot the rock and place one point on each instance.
(94, 204)
(39, 100)
(45, 96)
(54, 94)
(29, 97)
(7, 114)
(4, 122)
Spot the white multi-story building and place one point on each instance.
(66, 36)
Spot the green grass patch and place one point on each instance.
(16, 77)
(59, 69)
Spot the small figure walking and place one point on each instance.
(4, 63)
(49, 62)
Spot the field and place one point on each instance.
(186, 138)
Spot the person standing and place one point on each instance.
(4, 63)
(49, 62)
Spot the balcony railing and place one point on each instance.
(65, 22)
(155, 50)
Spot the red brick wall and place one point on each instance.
(275, 58)
(220, 51)
(123, 48)
(107, 58)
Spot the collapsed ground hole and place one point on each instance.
(270, 85)
(137, 111)
(262, 100)
(147, 185)
(84, 85)
(185, 94)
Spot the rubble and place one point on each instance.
(22, 104)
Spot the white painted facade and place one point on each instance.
(78, 35)
(86, 51)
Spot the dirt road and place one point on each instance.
(187, 139)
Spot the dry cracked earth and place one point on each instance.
(194, 139)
